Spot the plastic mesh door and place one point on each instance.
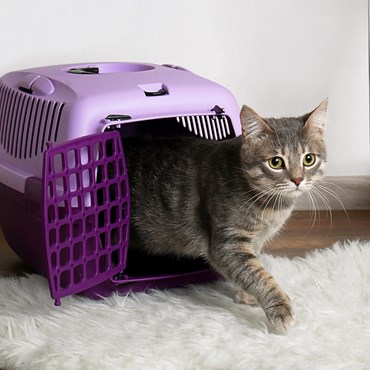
(86, 212)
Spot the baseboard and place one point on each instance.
(352, 191)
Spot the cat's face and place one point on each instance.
(284, 156)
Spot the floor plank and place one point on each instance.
(300, 235)
(304, 233)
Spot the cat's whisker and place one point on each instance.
(335, 185)
(315, 205)
(280, 201)
(313, 212)
(256, 198)
(277, 199)
(334, 195)
(323, 198)
(326, 202)
(267, 202)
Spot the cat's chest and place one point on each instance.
(275, 217)
(270, 223)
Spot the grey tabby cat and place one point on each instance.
(223, 200)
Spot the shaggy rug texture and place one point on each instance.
(198, 327)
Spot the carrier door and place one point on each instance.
(86, 212)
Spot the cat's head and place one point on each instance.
(284, 154)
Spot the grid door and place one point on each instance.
(86, 212)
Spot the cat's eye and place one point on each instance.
(276, 163)
(309, 160)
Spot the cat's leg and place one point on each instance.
(241, 296)
(236, 260)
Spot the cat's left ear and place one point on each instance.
(316, 120)
(253, 126)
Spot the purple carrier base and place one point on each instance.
(20, 220)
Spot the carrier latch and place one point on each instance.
(117, 117)
(218, 110)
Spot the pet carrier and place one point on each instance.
(65, 207)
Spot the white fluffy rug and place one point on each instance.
(199, 327)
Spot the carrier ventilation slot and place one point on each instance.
(208, 127)
(27, 123)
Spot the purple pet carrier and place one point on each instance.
(64, 189)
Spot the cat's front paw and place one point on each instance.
(281, 315)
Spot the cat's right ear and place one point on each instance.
(316, 120)
(253, 126)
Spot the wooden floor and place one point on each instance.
(301, 234)
(304, 233)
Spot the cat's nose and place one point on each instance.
(297, 180)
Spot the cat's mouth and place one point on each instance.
(296, 191)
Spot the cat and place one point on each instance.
(223, 200)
